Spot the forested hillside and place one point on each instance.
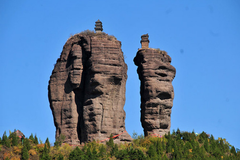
(177, 145)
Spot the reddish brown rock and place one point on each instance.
(156, 75)
(87, 89)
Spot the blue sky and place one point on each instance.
(202, 38)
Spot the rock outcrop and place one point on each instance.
(87, 89)
(156, 75)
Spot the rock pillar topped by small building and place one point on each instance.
(156, 75)
(87, 89)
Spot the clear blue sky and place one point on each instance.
(201, 36)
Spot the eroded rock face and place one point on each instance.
(87, 89)
(156, 75)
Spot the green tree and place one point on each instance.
(110, 143)
(25, 154)
(31, 137)
(35, 139)
(60, 157)
(77, 154)
(200, 140)
(114, 150)
(159, 147)
(26, 143)
(152, 151)
(233, 150)
(4, 138)
(178, 133)
(206, 145)
(136, 154)
(186, 136)
(165, 157)
(45, 154)
(169, 143)
(174, 133)
(14, 138)
(187, 147)
(102, 151)
(203, 135)
(193, 135)
(59, 140)
(47, 143)
(213, 145)
(123, 154)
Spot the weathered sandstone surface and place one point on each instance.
(87, 89)
(156, 75)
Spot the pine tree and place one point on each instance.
(163, 145)
(59, 140)
(165, 157)
(8, 143)
(47, 145)
(60, 157)
(178, 133)
(203, 135)
(159, 147)
(206, 145)
(27, 144)
(110, 143)
(114, 150)
(25, 154)
(31, 137)
(200, 140)
(174, 133)
(45, 154)
(35, 139)
(152, 152)
(233, 150)
(102, 151)
(89, 153)
(77, 154)
(212, 145)
(193, 135)
(15, 139)
(169, 143)
(4, 138)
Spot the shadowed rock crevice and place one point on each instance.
(87, 89)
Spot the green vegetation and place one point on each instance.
(178, 145)
(92, 33)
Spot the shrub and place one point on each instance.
(17, 150)
(32, 152)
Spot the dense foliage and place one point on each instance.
(178, 145)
